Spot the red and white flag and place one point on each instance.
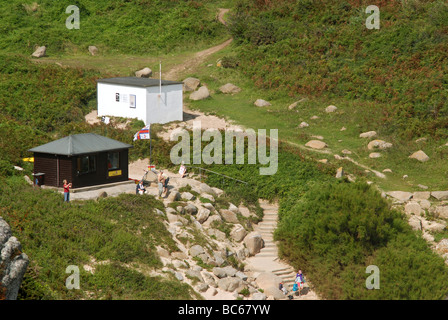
(143, 133)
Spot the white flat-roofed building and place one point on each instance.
(141, 98)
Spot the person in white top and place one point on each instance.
(182, 170)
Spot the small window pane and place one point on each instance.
(113, 160)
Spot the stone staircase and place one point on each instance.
(267, 259)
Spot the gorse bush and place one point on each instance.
(336, 230)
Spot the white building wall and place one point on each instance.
(168, 107)
(109, 106)
(148, 108)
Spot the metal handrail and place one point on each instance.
(220, 174)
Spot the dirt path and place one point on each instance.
(193, 63)
(199, 57)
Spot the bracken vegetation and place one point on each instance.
(322, 48)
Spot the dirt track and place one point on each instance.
(199, 57)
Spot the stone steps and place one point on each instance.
(267, 259)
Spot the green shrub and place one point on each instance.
(336, 230)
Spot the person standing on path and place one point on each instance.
(67, 187)
(160, 182)
(182, 170)
(300, 280)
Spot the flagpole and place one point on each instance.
(150, 148)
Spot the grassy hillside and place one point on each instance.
(114, 237)
(321, 48)
(137, 27)
(392, 80)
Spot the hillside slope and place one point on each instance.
(324, 49)
(138, 27)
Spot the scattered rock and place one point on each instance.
(201, 94)
(314, 117)
(174, 196)
(13, 262)
(378, 144)
(343, 129)
(203, 215)
(345, 151)
(340, 173)
(440, 195)
(387, 171)
(195, 274)
(229, 283)
(413, 208)
(207, 189)
(238, 233)
(241, 275)
(400, 195)
(40, 52)
(441, 211)
(28, 180)
(102, 195)
(163, 252)
(303, 124)
(269, 283)
(93, 50)
(421, 186)
(209, 279)
(233, 208)
(219, 272)
(219, 235)
(229, 216)
(368, 134)
(375, 155)
(229, 88)
(420, 156)
(330, 109)
(202, 287)
(323, 161)
(316, 144)
(211, 219)
(143, 73)
(420, 140)
(187, 196)
(208, 196)
(254, 242)
(191, 209)
(442, 246)
(191, 84)
(179, 276)
(262, 103)
(258, 296)
(196, 250)
(421, 195)
(293, 105)
(425, 204)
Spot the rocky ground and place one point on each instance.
(251, 247)
(240, 264)
(426, 211)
